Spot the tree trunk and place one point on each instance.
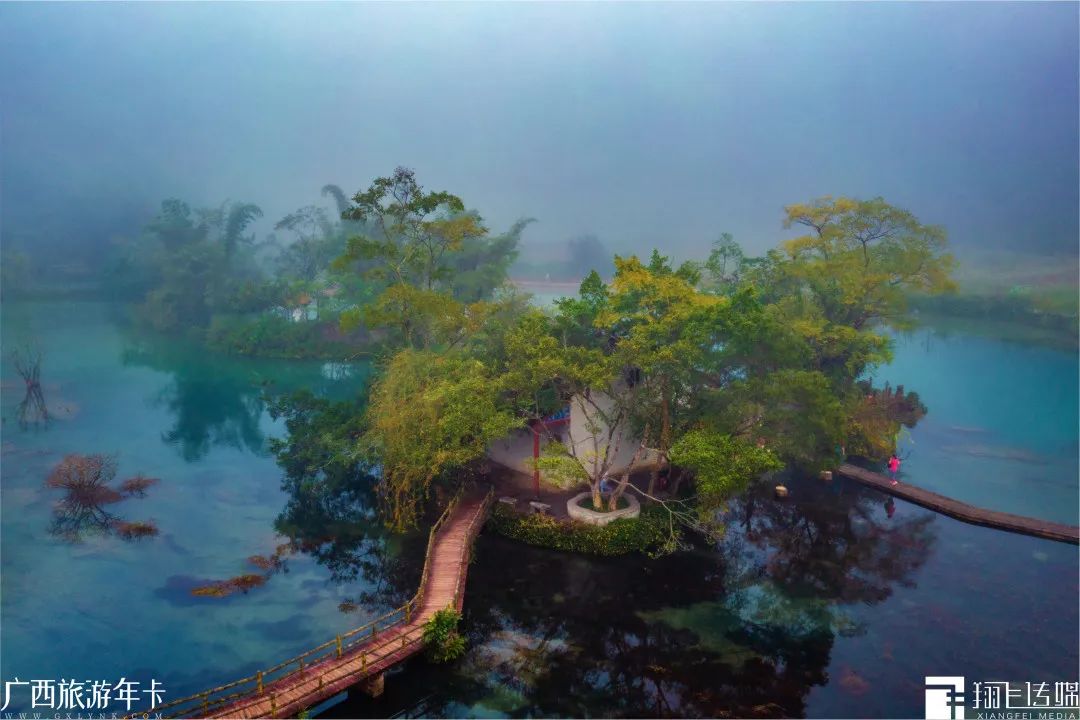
(613, 501)
(597, 501)
(665, 440)
(673, 488)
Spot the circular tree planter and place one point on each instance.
(585, 515)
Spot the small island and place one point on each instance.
(539, 360)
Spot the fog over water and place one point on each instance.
(232, 404)
(646, 124)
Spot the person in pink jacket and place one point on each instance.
(894, 467)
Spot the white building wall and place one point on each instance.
(516, 451)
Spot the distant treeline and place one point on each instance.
(1014, 307)
(297, 292)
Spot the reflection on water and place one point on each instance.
(835, 603)
(1002, 426)
(332, 519)
(827, 604)
(197, 422)
(85, 480)
(210, 407)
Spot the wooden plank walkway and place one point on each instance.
(335, 666)
(963, 511)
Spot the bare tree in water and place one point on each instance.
(86, 481)
(32, 409)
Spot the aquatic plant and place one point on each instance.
(135, 530)
(27, 362)
(274, 561)
(138, 485)
(86, 479)
(224, 588)
(270, 564)
(264, 562)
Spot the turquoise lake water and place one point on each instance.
(105, 608)
(834, 604)
(1002, 426)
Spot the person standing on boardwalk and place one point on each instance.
(894, 467)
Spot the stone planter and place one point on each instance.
(585, 515)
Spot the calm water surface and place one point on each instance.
(1001, 431)
(103, 608)
(833, 604)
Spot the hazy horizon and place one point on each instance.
(645, 124)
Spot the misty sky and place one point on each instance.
(647, 124)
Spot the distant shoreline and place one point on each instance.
(572, 286)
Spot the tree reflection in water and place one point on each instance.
(85, 480)
(211, 405)
(336, 524)
(742, 630)
(331, 512)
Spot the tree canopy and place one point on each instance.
(725, 368)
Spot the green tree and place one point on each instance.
(725, 264)
(428, 253)
(239, 217)
(667, 331)
(722, 465)
(314, 247)
(430, 417)
(441, 637)
(543, 374)
(413, 230)
(861, 259)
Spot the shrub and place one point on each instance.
(270, 335)
(649, 533)
(441, 637)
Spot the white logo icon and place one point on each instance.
(945, 698)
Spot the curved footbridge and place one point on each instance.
(363, 654)
(963, 511)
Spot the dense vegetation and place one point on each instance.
(316, 287)
(442, 640)
(724, 368)
(650, 533)
(720, 369)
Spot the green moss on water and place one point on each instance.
(715, 626)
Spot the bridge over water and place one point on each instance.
(962, 511)
(362, 655)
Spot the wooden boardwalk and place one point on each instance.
(963, 511)
(363, 654)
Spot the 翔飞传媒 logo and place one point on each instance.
(946, 699)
